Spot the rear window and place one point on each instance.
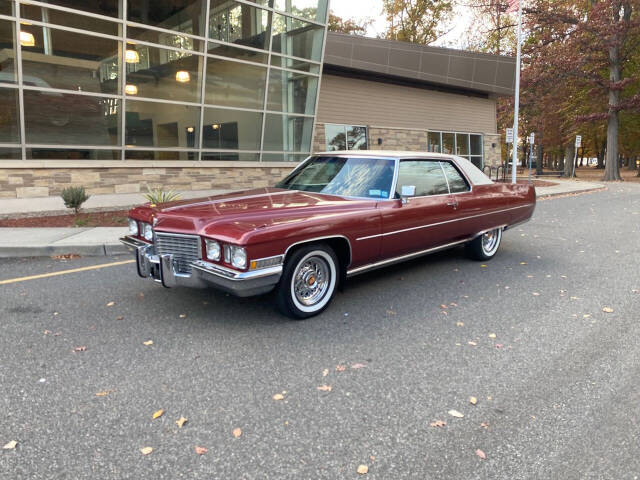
(473, 173)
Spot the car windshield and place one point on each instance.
(344, 176)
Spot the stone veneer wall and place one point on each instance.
(492, 156)
(43, 182)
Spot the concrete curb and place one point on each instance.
(543, 196)
(52, 250)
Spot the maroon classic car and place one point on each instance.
(336, 215)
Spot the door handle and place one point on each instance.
(453, 204)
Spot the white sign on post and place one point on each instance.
(509, 135)
(532, 139)
(578, 141)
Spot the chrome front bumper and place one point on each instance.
(204, 274)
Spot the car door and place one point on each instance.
(467, 210)
(423, 221)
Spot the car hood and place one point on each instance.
(232, 216)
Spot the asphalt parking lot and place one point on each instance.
(554, 374)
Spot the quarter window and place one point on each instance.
(346, 137)
(426, 176)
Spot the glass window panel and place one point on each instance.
(357, 138)
(59, 17)
(457, 183)
(71, 61)
(163, 73)
(70, 119)
(462, 144)
(287, 134)
(6, 7)
(7, 52)
(230, 157)
(296, 38)
(10, 154)
(175, 40)
(239, 23)
(336, 137)
(433, 142)
(238, 53)
(284, 157)
(186, 16)
(110, 8)
(160, 155)
(478, 162)
(315, 10)
(291, 92)
(476, 145)
(426, 176)
(294, 64)
(153, 124)
(9, 118)
(448, 140)
(235, 84)
(75, 154)
(231, 129)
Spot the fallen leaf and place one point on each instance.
(607, 310)
(484, 424)
(237, 432)
(481, 454)
(278, 396)
(453, 304)
(111, 304)
(11, 445)
(181, 421)
(635, 290)
(362, 469)
(483, 266)
(455, 413)
(492, 335)
(460, 324)
(325, 388)
(357, 366)
(201, 450)
(535, 294)
(523, 263)
(182, 315)
(473, 400)
(444, 307)
(47, 332)
(104, 394)
(499, 345)
(148, 343)
(391, 312)
(120, 318)
(80, 349)
(158, 413)
(325, 372)
(438, 424)
(146, 450)
(473, 344)
(341, 368)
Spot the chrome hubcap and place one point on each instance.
(311, 281)
(490, 241)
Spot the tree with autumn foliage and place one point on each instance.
(349, 26)
(417, 21)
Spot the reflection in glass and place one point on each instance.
(166, 39)
(433, 142)
(448, 141)
(357, 138)
(291, 92)
(231, 129)
(110, 8)
(315, 10)
(186, 16)
(9, 130)
(165, 74)
(235, 84)
(160, 155)
(7, 52)
(294, 64)
(59, 17)
(70, 119)
(71, 154)
(71, 61)
(336, 137)
(153, 124)
(296, 38)
(462, 144)
(284, 157)
(10, 154)
(6, 7)
(457, 184)
(239, 23)
(476, 144)
(287, 134)
(230, 157)
(426, 176)
(237, 53)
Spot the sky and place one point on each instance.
(366, 9)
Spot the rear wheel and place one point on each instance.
(485, 246)
(308, 282)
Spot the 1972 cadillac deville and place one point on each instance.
(336, 215)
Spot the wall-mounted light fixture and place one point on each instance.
(131, 89)
(191, 129)
(131, 56)
(215, 126)
(183, 76)
(27, 39)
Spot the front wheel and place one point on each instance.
(308, 282)
(485, 246)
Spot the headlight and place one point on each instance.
(213, 250)
(238, 257)
(148, 232)
(133, 227)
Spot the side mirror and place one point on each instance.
(407, 192)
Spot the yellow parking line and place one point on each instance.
(65, 272)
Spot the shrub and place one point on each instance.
(74, 197)
(158, 196)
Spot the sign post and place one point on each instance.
(532, 141)
(575, 157)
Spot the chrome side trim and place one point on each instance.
(442, 223)
(403, 258)
(311, 240)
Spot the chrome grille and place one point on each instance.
(184, 248)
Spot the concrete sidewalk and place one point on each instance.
(39, 242)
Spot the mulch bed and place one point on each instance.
(97, 219)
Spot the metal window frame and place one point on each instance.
(123, 40)
(455, 143)
(346, 126)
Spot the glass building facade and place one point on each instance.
(227, 80)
